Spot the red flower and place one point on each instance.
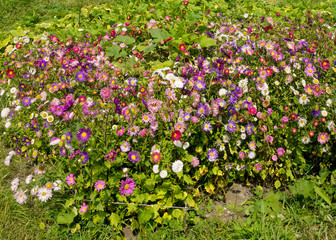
(325, 64)
(10, 73)
(176, 135)
(182, 47)
(156, 157)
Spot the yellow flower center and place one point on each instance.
(126, 186)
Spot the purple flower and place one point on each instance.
(127, 187)
(84, 134)
(249, 128)
(231, 126)
(132, 81)
(134, 156)
(26, 101)
(63, 151)
(201, 85)
(212, 154)
(84, 157)
(207, 127)
(81, 76)
(203, 110)
(316, 113)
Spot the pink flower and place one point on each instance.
(323, 138)
(194, 119)
(70, 179)
(274, 157)
(83, 208)
(105, 93)
(241, 155)
(263, 128)
(269, 111)
(258, 167)
(269, 138)
(195, 161)
(121, 131)
(252, 110)
(100, 185)
(143, 132)
(154, 105)
(281, 152)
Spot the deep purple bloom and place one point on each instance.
(81, 76)
(316, 113)
(84, 157)
(63, 151)
(26, 101)
(231, 126)
(84, 134)
(134, 156)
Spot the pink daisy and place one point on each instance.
(323, 138)
(127, 187)
(100, 185)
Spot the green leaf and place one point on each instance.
(159, 34)
(124, 39)
(113, 51)
(65, 218)
(42, 225)
(277, 184)
(206, 41)
(145, 215)
(177, 213)
(4, 42)
(114, 219)
(323, 195)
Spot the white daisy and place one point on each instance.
(328, 102)
(226, 138)
(5, 112)
(33, 192)
(302, 122)
(251, 155)
(324, 113)
(44, 194)
(177, 166)
(305, 139)
(57, 185)
(156, 168)
(163, 174)
(303, 99)
(20, 196)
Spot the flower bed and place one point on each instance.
(143, 115)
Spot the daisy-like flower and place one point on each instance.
(57, 185)
(303, 99)
(156, 157)
(226, 138)
(328, 102)
(258, 167)
(70, 179)
(207, 127)
(177, 166)
(324, 113)
(99, 185)
(20, 197)
(323, 138)
(127, 187)
(83, 208)
(195, 162)
(302, 122)
(163, 174)
(44, 194)
(125, 146)
(274, 157)
(251, 155)
(134, 156)
(84, 134)
(281, 152)
(305, 139)
(156, 169)
(212, 154)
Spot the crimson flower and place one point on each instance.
(176, 135)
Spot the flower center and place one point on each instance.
(126, 186)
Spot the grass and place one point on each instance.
(34, 11)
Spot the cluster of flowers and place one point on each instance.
(251, 93)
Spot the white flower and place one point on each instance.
(186, 145)
(18, 108)
(156, 168)
(328, 102)
(34, 191)
(20, 196)
(163, 174)
(238, 142)
(324, 113)
(302, 122)
(13, 90)
(2, 92)
(331, 125)
(178, 143)
(305, 140)
(243, 136)
(8, 124)
(7, 160)
(57, 185)
(44, 194)
(303, 82)
(54, 141)
(226, 138)
(5, 112)
(251, 155)
(11, 153)
(246, 15)
(177, 166)
(29, 178)
(277, 83)
(304, 99)
(222, 92)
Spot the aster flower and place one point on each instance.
(156, 157)
(132, 81)
(177, 166)
(163, 174)
(125, 146)
(127, 187)
(207, 127)
(281, 152)
(20, 197)
(305, 139)
(84, 157)
(258, 167)
(195, 162)
(81, 76)
(99, 185)
(212, 154)
(231, 126)
(44, 194)
(83, 208)
(134, 156)
(84, 134)
(26, 101)
(70, 179)
(323, 138)
(176, 135)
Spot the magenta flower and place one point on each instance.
(258, 167)
(84, 134)
(134, 156)
(269, 138)
(281, 152)
(83, 208)
(127, 187)
(323, 138)
(242, 155)
(274, 157)
(99, 185)
(70, 179)
(105, 93)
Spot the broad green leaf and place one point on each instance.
(114, 219)
(160, 34)
(177, 213)
(206, 41)
(277, 184)
(124, 39)
(145, 215)
(323, 195)
(65, 218)
(113, 51)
